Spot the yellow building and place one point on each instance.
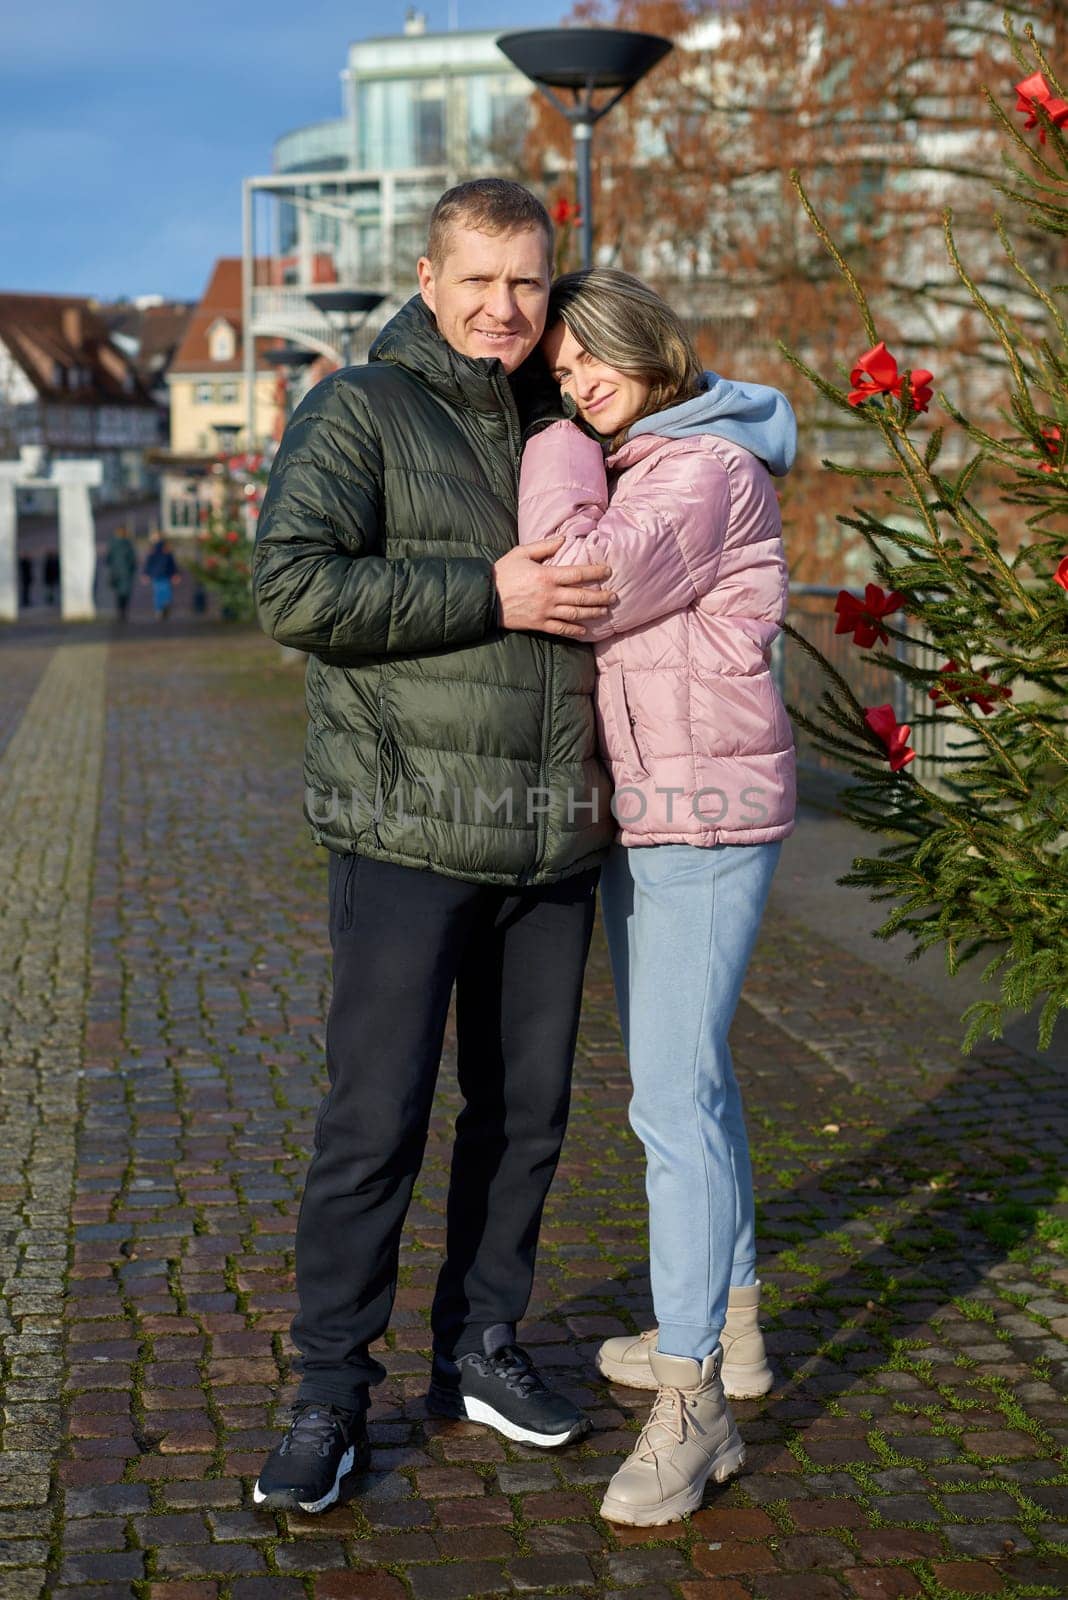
(208, 402)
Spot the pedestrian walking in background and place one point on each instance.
(161, 570)
(121, 562)
(452, 772)
(25, 582)
(701, 754)
(50, 574)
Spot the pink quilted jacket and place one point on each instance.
(692, 726)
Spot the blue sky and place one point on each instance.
(126, 128)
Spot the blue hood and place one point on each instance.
(759, 419)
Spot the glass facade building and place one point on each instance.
(422, 111)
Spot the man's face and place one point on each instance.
(490, 292)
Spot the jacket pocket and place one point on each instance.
(342, 874)
(387, 767)
(618, 724)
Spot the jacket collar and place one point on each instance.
(411, 340)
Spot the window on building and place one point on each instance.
(222, 341)
(429, 132)
(228, 394)
(204, 394)
(183, 513)
(226, 437)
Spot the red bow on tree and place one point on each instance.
(968, 686)
(876, 373)
(1051, 439)
(565, 211)
(1061, 574)
(895, 735)
(863, 618)
(1033, 92)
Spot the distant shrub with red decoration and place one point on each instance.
(973, 618)
(222, 562)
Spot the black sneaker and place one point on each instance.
(504, 1390)
(321, 1446)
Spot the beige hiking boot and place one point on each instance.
(746, 1373)
(689, 1438)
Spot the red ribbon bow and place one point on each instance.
(968, 686)
(565, 211)
(895, 735)
(1033, 92)
(876, 373)
(1051, 442)
(863, 618)
(1061, 574)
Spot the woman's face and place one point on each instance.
(609, 400)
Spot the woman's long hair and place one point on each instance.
(619, 320)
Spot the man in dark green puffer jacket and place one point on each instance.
(452, 772)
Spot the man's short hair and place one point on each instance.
(493, 205)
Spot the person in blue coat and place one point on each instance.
(161, 570)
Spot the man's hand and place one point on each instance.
(533, 598)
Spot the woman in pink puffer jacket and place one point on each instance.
(700, 748)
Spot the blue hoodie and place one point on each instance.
(759, 419)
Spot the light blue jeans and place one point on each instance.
(681, 922)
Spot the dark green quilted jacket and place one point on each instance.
(435, 738)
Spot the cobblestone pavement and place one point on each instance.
(162, 993)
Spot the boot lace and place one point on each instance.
(314, 1431)
(669, 1413)
(515, 1369)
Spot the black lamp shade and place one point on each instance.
(572, 58)
(345, 301)
(291, 355)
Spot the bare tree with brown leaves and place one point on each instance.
(880, 107)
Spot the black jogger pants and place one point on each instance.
(402, 940)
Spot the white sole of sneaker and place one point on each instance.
(730, 1460)
(479, 1411)
(344, 1467)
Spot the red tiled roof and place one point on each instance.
(61, 343)
(222, 298)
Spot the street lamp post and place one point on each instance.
(350, 308)
(290, 359)
(584, 61)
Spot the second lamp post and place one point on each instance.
(584, 61)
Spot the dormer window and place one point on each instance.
(222, 341)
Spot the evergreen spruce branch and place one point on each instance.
(1055, 1004)
(1040, 294)
(980, 728)
(830, 742)
(1040, 56)
(1022, 143)
(828, 390)
(836, 256)
(858, 472)
(983, 534)
(989, 443)
(980, 300)
(986, 1022)
(821, 661)
(1031, 197)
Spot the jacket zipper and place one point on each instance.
(543, 646)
